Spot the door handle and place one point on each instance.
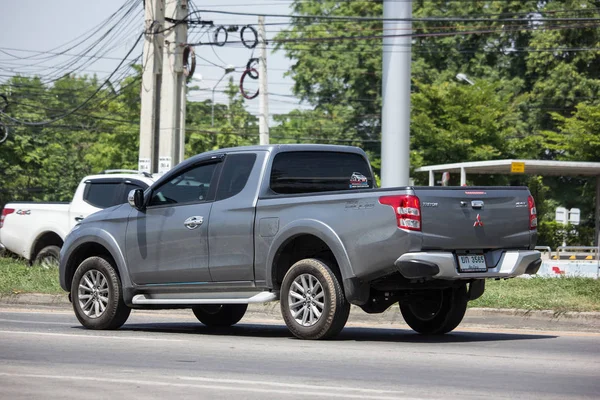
(193, 222)
(78, 219)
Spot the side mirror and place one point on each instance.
(136, 199)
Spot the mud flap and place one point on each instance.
(476, 289)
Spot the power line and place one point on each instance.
(413, 35)
(380, 19)
(83, 103)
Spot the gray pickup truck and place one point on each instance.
(302, 224)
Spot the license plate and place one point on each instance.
(471, 263)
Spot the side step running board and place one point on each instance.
(262, 297)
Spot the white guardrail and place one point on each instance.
(574, 261)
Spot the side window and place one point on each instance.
(101, 194)
(234, 177)
(191, 186)
(319, 171)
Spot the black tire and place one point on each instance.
(115, 312)
(439, 313)
(47, 257)
(220, 315)
(334, 313)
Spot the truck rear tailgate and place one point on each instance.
(463, 218)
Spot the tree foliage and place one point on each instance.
(535, 93)
(46, 163)
(535, 96)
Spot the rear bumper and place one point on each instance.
(2, 248)
(443, 265)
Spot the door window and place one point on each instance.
(191, 186)
(235, 174)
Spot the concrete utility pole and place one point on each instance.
(172, 91)
(263, 101)
(597, 214)
(395, 113)
(151, 83)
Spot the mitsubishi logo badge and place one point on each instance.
(478, 221)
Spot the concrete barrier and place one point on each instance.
(570, 268)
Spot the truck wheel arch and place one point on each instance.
(305, 239)
(82, 252)
(44, 239)
(99, 244)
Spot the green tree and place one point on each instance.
(234, 125)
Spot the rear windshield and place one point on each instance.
(319, 171)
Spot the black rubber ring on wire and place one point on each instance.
(253, 45)
(4, 128)
(250, 66)
(216, 36)
(247, 72)
(3, 108)
(189, 62)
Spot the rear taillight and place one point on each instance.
(532, 213)
(407, 209)
(5, 212)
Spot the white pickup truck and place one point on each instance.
(36, 231)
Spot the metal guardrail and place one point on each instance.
(544, 249)
(588, 253)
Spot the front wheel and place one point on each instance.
(313, 304)
(220, 315)
(439, 312)
(98, 296)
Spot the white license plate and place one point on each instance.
(471, 263)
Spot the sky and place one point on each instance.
(31, 26)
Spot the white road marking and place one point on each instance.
(314, 390)
(18, 321)
(68, 335)
(290, 385)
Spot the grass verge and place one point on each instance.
(16, 276)
(558, 294)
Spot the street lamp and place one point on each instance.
(229, 69)
(464, 78)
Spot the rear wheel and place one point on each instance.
(439, 312)
(98, 296)
(220, 315)
(313, 304)
(48, 257)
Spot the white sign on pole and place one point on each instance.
(164, 164)
(144, 165)
(574, 216)
(561, 215)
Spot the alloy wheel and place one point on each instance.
(93, 293)
(306, 300)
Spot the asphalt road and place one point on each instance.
(46, 354)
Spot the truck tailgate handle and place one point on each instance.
(193, 222)
(477, 204)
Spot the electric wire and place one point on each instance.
(80, 106)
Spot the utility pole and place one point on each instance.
(151, 84)
(395, 113)
(263, 101)
(172, 91)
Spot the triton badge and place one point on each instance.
(478, 221)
